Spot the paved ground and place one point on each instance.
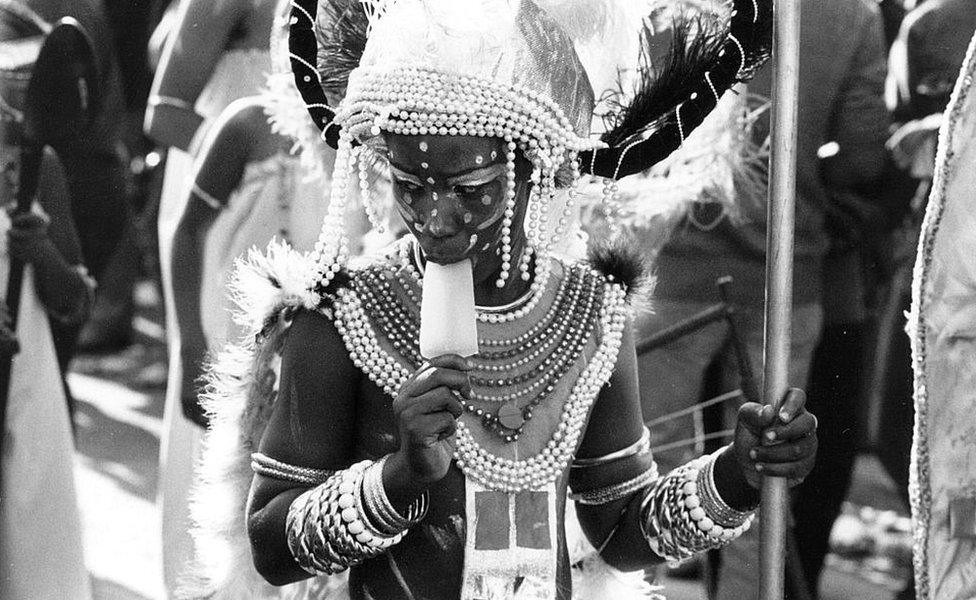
(119, 420)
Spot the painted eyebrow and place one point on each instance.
(474, 176)
(401, 174)
(478, 176)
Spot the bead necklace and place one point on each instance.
(356, 313)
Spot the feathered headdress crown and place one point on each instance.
(525, 71)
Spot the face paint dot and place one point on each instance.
(433, 213)
(467, 217)
(494, 155)
(425, 165)
(423, 146)
(486, 199)
(430, 180)
(479, 160)
(408, 198)
(486, 246)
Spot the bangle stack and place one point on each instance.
(677, 523)
(716, 508)
(333, 526)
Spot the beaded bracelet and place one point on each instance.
(329, 529)
(675, 523)
(269, 467)
(616, 491)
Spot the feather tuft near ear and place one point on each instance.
(621, 261)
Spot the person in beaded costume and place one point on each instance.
(448, 477)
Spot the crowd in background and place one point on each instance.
(179, 172)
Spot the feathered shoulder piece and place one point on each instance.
(269, 288)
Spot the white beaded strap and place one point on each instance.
(207, 197)
(616, 491)
(269, 467)
(639, 447)
(171, 101)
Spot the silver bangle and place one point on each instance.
(616, 491)
(639, 447)
(713, 503)
(275, 469)
(381, 511)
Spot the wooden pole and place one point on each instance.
(779, 277)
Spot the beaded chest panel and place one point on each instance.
(535, 378)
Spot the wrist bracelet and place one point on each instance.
(330, 527)
(711, 500)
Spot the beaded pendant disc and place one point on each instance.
(510, 416)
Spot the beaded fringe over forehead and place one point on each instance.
(505, 59)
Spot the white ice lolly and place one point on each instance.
(448, 322)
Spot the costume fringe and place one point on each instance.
(239, 396)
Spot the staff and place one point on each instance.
(779, 276)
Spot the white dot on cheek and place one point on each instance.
(486, 246)
(433, 213)
(479, 160)
(467, 217)
(425, 165)
(423, 146)
(430, 180)
(486, 199)
(435, 196)
(494, 155)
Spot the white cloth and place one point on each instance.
(273, 200)
(41, 551)
(239, 73)
(943, 331)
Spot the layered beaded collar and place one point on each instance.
(538, 373)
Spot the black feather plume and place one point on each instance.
(622, 261)
(341, 32)
(707, 56)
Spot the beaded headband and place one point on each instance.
(508, 69)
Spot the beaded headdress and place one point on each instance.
(530, 72)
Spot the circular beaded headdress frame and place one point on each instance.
(651, 124)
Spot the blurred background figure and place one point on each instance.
(40, 529)
(94, 160)
(842, 110)
(215, 53)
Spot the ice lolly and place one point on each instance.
(448, 322)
